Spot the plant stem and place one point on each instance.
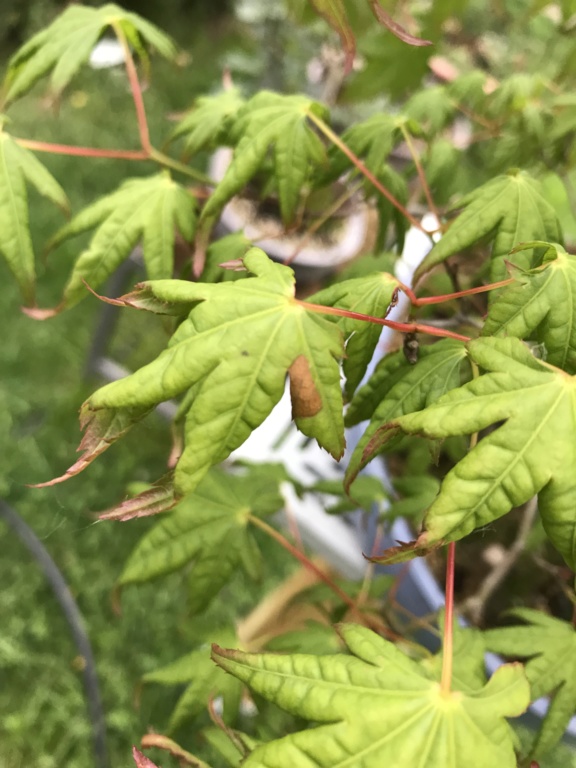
(315, 226)
(135, 89)
(416, 302)
(66, 149)
(475, 605)
(355, 160)
(373, 621)
(448, 639)
(402, 327)
(420, 171)
(169, 162)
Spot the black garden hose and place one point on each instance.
(75, 622)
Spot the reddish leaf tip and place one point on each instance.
(36, 313)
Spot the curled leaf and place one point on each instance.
(397, 29)
(334, 13)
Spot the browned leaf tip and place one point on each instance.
(163, 742)
(115, 302)
(159, 498)
(234, 265)
(141, 760)
(198, 260)
(41, 314)
(306, 400)
(397, 29)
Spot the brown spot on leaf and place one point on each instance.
(306, 400)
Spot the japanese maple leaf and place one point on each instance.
(540, 305)
(149, 210)
(531, 448)
(203, 681)
(230, 357)
(377, 707)
(211, 529)
(19, 167)
(506, 210)
(550, 647)
(276, 124)
(67, 43)
(208, 123)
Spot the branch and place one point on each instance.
(402, 327)
(420, 170)
(66, 149)
(374, 622)
(475, 605)
(135, 89)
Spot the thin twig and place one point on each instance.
(475, 605)
(448, 638)
(66, 149)
(402, 327)
(375, 623)
(315, 226)
(420, 171)
(135, 89)
(355, 160)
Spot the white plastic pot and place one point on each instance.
(317, 258)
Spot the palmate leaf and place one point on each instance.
(508, 210)
(231, 355)
(204, 681)
(66, 44)
(151, 210)
(371, 295)
(377, 707)
(209, 528)
(532, 452)
(550, 647)
(396, 388)
(270, 122)
(18, 166)
(207, 124)
(541, 305)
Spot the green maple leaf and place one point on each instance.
(541, 305)
(397, 388)
(151, 210)
(67, 43)
(550, 647)
(270, 122)
(378, 707)
(432, 107)
(507, 210)
(207, 124)
(230, 356)
(18, 166)
(204, 681)
(371, 295)
(532, 452)
(210, 528)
